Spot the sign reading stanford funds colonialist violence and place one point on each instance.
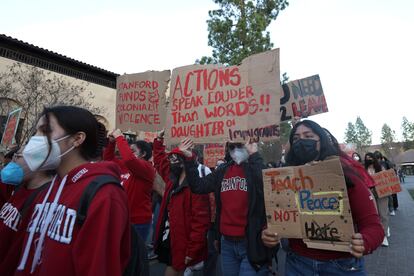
(302, 98)
(386, 183)
(11, 127)
(140, 101)
(214, 104)
(310, 202)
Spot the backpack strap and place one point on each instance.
(89, 193)
(28, 202)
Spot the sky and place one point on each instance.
(361, 49)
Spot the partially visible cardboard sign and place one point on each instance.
(311, 203)
(212, 153)
(302, 98)
(215, 104)
(141, 101)
(386, 183)
(147, 136)
(11, 127)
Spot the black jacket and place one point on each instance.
(257, 253)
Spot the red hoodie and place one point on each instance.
(101, 246)
(188, 215)
(138, 178)
(364, 215)
(13, 224)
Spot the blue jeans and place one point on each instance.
(234, 260)
(143, 230)
(299, 265)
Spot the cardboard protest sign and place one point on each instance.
(309, 202)
(386, 183)
(212, 153)
(147, 136)
(141, 101)
(214, 104)
(302, 98)
(11, 127)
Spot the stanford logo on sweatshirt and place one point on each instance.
(236, 183)
(61, 227)
(10, 216)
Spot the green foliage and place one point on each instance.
(408, 133)
(358, 134)
(387, 139)
(238, 29)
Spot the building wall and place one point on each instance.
(104, 97)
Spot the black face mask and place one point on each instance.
(176, 168)
(369, 162)
(305, 151)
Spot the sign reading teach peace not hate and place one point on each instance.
(214, 104)
(311, 203)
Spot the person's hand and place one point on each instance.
(185, 147)
(216, 245)
(111, 137)
(270, 239)
(117, 133)
(357, 245)
(187, 260)
(160, 134)
(251, 146)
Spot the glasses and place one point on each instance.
(235, 145)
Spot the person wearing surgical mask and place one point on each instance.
(240, 212)
(137, 175)
(67, 140)
(184, 219)
(15, 214)
(310, 143)
(357, 157)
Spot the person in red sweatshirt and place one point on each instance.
(310, 142)
(15, 214)
(137, 175)
(55, 243)
(184, 219)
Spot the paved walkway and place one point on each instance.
(398, 258)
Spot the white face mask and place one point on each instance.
(36, 150)
(239, 155)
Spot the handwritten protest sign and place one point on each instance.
(309, 202)
(302, 98)
(147, 136)
(212, 153)
(11, 127)
(214, 104)
(386, 183)
(140, 101)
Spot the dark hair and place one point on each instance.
(378, 155)
(9, 154)
(377, 165)
(328, 143)
(144, 147)
(329, 147)
(74, 119)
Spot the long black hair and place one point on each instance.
(75, 119)
(327, 146)
(376, 164)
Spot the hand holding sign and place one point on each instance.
(357, 245)
(185, 147)
(251, 146)
(270, 239)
